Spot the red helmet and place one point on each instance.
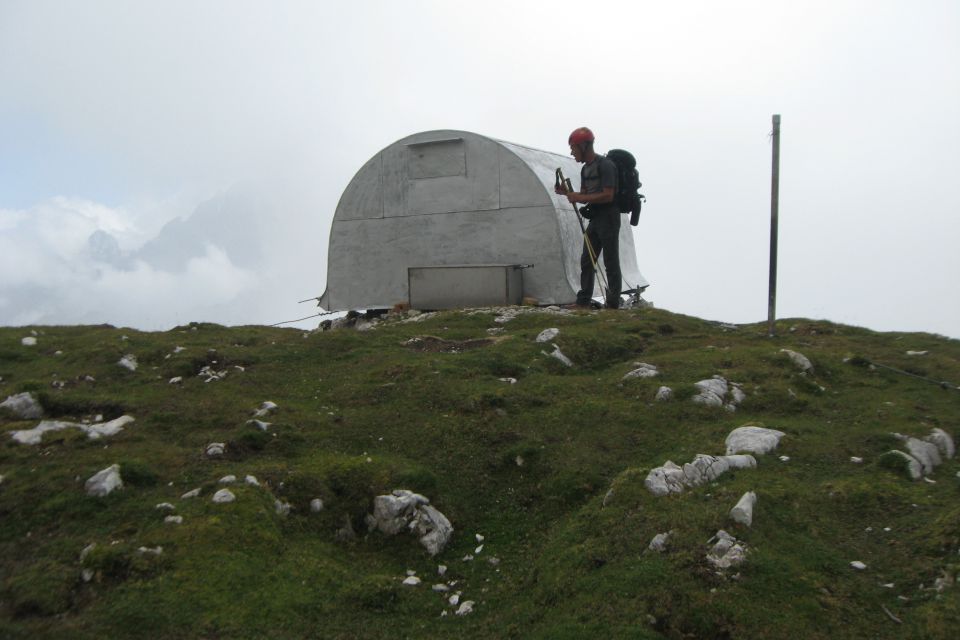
(581, 135)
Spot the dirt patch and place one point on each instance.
(432, 344)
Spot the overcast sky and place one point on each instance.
(119, 117)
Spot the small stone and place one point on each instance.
(441, 569)
(252, 481)
(856, 460)
(548, 334)
(454, 599)
(128, 361)
(659, 542)
(176, 380)
(282, 508)
(742, 513)
(166, 506)
(917, 353)
(174, 519)
(29, 341)
(104, 482)
(265, 408)
(193, 493)
(559, 356)
(411, 581)
(478, 550)
(224, 496)
(465, 608)
(316, 505)
(519, 461)
(799, 360)
(479, 537)
(228, 479)
(859, 566)
(663, 394)
(508, 380)
(440, 587)
(215, 449)
(889, 585)
(155, 551)
(784, 458)
(259, 424)
(87, 575)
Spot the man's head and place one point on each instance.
(581, 144)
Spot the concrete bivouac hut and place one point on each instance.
(445, 219)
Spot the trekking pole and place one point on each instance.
(567, 186)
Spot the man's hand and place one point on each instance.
(573, 197)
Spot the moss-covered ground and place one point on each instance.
(526, 465)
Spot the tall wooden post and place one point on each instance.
(774, 212)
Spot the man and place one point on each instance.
(598, 184)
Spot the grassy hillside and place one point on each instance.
(529, 466)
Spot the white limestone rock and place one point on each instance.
(925, 452)
(94, 431)
(913, 467)
(104, 482)
(548, 334)
(411, 581)
(799, 360)
(193, 493)
(173, 519)
(559, 356)
(316, 505)
(265, 408)
(465, 607)
(671, 478)
(150, 551)
(252, 481)
(166, 506)
(223, 496)
(742, 513)
(260, 424)
(664, 394)
(230, 479)
(215, 449)
(859, 566)
(411, 511)
(282, 508)
(110, 428)
(176, 380)
(944, 443)
(29, 341)
(23, 405)
(751, 439)
(726, 551)
(129, 361)
(659, 542)
(643, 370)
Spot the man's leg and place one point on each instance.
(586, 266)
(610, 239)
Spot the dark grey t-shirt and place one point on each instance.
(597, 176)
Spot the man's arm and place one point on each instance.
(606, 195)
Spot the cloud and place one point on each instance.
(53, 273)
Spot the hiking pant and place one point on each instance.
(604, 234)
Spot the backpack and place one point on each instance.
(628, 197)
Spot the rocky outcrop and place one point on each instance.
(671, 478)
(405, 510)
